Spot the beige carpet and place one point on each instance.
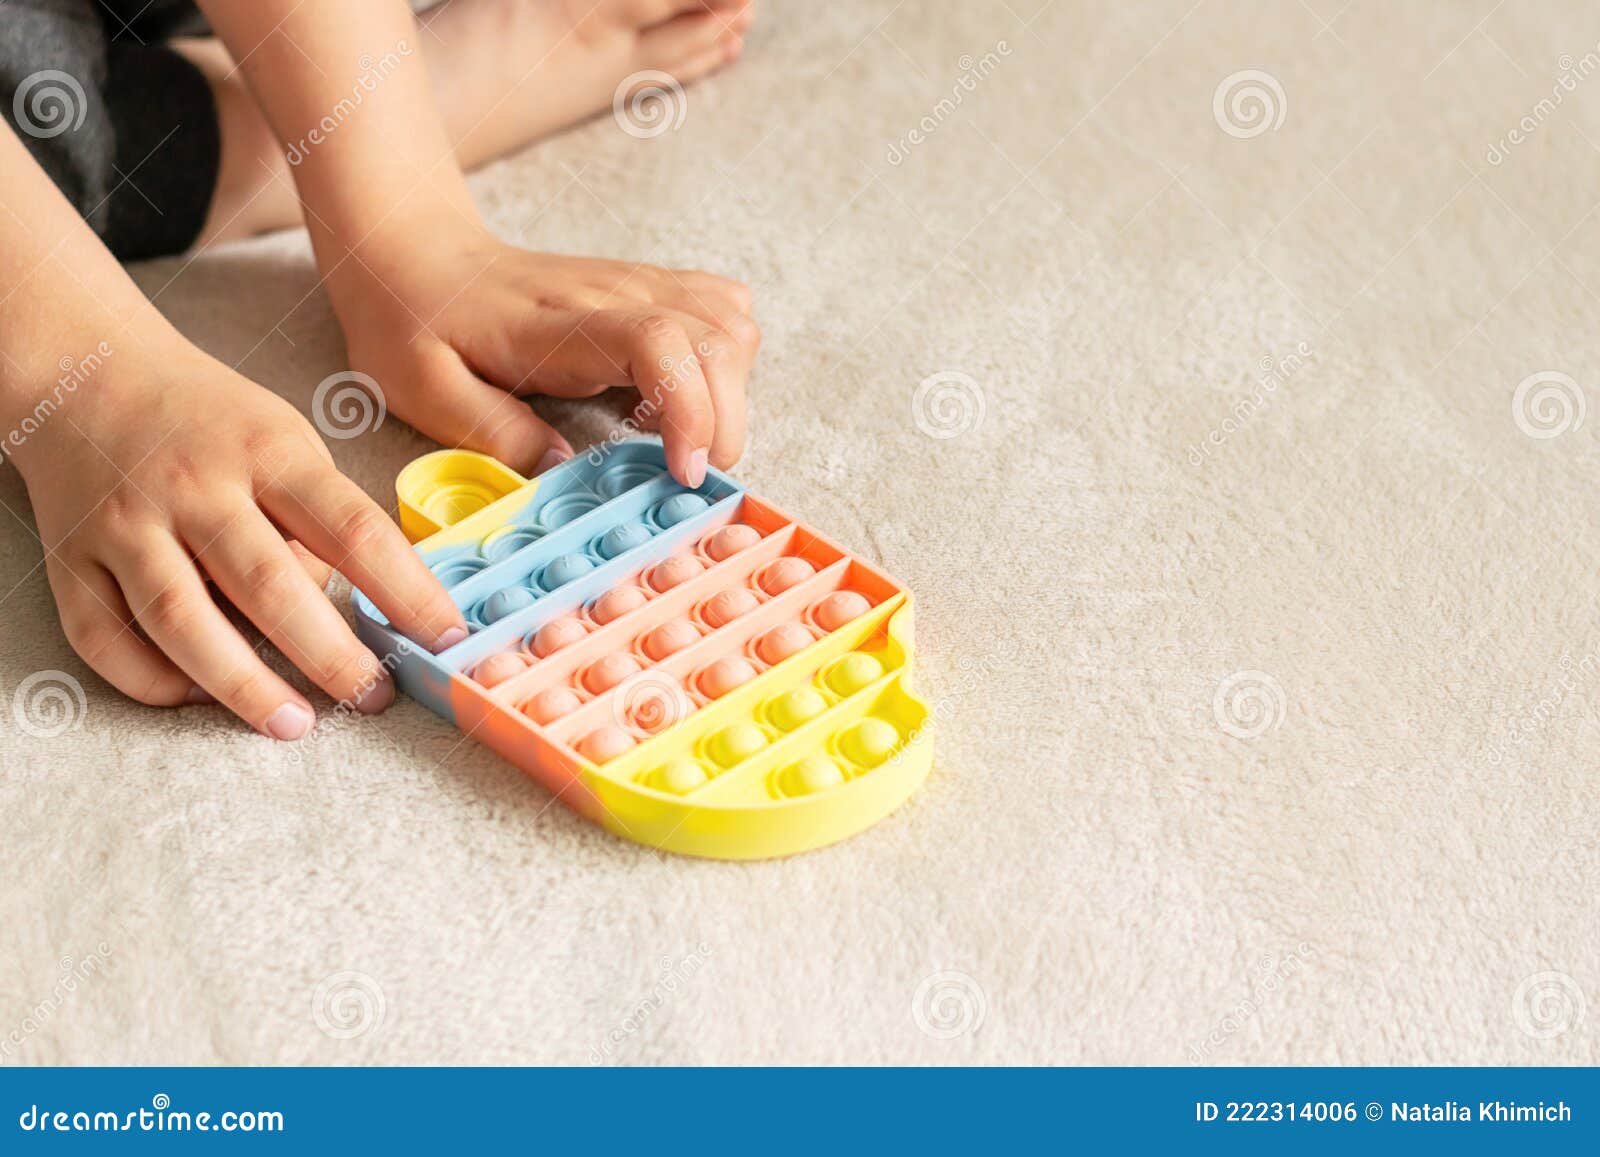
(1256, 604)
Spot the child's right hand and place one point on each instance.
(165, 472)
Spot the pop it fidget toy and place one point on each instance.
(691, 669)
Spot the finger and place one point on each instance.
(334, 518)
(170, 602)
(98, 624)
(665, 367)
(648, 348)
(253, 566)
(318, 571)
(727, 350)
(458, 408)
(628, 407)
(726, 366)
(715, 306)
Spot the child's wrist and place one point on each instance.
(361, 278)
(39, 392)
(43, 406)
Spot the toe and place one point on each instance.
(726, 51)
(646, 12)
(691, 45)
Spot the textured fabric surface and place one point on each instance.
(1255, 601)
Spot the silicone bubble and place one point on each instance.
(507, 602)
(605, 743)
(678, 569)
(681, 775)
(620, 539)
(458, 571)
(609, 670)
(853, 672)
(504, 543)
(724, 675)
(654, 702)
(555, 634)
(838, 609)
(783, 573)
(551, 704)
(725, 606)
(615, 603)
(736, 742)
(621, 479)
(566, 568)
(813, 773)
(730, 540)
(793, 708)
(496, 669)
(679, 507)
(869, 742)
(565, 508)
(782, 641)
(669, 638)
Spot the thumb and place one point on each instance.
(455, 407)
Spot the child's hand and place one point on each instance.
(453, 320)
(178, 470)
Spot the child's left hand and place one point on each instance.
(454, 320)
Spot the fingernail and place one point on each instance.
(289, 722)
(450, 638)
(199, 695)
(375, 698)
(554, 456)
(695, 468)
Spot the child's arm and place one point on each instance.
(153, 468)
(446, 318)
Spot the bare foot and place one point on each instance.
(510, 71)
(505, 72)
